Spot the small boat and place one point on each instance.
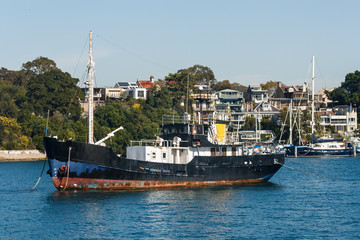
(318, 147)
(321, 148)
(185, 154)
(355, 141)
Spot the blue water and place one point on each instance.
(293, 205)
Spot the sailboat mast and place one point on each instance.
(313, 96)
(291, 124)
(91, 92)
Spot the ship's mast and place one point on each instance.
(90, 68)
(313, 96)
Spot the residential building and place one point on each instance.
(229, 108)
(323, 99)
(203, 103)
(256, 94)
(146, 83)
(126, 85)
(99, 99)
(115, 93)
(132, 89)
(283, 95)
(138, 93)
(264, 109)
(342, 118)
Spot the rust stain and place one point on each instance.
(103, 184)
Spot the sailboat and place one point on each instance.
(318, 147)
(186, 154)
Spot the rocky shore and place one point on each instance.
(21, 155)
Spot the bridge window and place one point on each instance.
(233, 150)
(224, 151)
(212, 151)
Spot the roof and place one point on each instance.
(125, 85)
(259, 107)
(229, 90)
(146, 84)
(327, 113)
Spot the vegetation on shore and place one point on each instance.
(39, 87)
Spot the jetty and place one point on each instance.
(21, 155)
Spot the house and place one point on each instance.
(132, 89)
(203, 103)
(264, 109)
(342, 118)
(229, 107)
(114, 93)
(126, 85)
(148, 84)
(323, 99)
(99, 99)
(300, 95)
(256, 94)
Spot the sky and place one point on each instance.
(243, 41)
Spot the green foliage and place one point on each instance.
(348, 92)
(339, 95)
(222, 85)
(137, 123)
(178, 83)
(53, 91)
(249, 123)
(225, 84)
(11, 100)
(11, 137)
(201, 73)
(268, 85)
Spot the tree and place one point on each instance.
(249, 123)
(39, 66)
(222, 85)
(54, 91)
(11, 137)
(339, 95)
(201, 73)
(11, 100)
(10, 77)
(268, 85)
(348, 92)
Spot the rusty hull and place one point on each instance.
(102, 184)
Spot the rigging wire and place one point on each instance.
(29, 189)
(134, 54)
(42, 171)
(297, 114)
(76, 94)
(321, 76)
(82, 51)
(317, 175)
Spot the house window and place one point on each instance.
(164, 155)
(212, 151)
(141, 94)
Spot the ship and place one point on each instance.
(187, 153)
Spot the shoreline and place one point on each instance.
(21, 155)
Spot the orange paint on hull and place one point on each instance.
(103, 184)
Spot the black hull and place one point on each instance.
(97, 167)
